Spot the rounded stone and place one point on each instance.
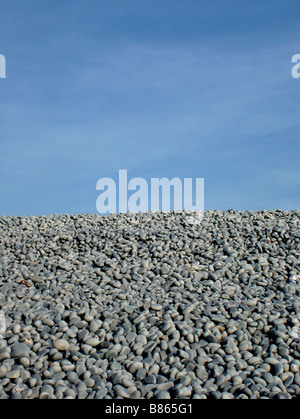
(122, 392)
(227, 396)
(61, 345)
(19, 350)
(163, 395)
(93, 342)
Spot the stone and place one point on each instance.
(122, 392)
(19, 350)
(163, 395)
(61, 345)
(93, 342)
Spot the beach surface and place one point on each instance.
(150, 306)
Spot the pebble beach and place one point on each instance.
(150, 306)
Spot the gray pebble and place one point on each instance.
(61, 345)
(163, 395)
(19, 350)
(122, 392)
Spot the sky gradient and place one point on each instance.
(160, 88)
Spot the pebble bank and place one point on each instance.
(151, 306)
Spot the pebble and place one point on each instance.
(201, 373)
(12, 375)
(93, 342)
(227, 396)
(165, 386)
(184, 392)
(156, 307)
(19, 350)
(61, 345)
(163, 395)
(122, 392)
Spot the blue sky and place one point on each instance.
(161, 88)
